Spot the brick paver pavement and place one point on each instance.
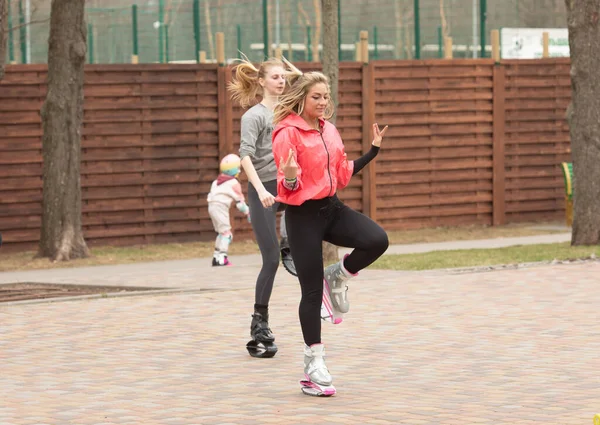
(503, 347)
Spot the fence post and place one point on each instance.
(375, 43)
(161, 29)
(90, 38)
(440, 43)
(448, 53)
(498, 156)
(369, 181)
(167, 58)
(417, 30)
(220, 42)
(495, 40)
(196, 20)
(22, 33)
(364, 46)
(135, 57)
(309, 55)
(11, 47)
(265, 29)
(339, 13)
(239, 41)
(545, 44)
(482, 21)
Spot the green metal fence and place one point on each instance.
(149, 31)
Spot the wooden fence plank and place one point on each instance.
(499, 181)
(369, 175)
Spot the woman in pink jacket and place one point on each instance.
(312, 166)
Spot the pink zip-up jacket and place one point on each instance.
(323, 167)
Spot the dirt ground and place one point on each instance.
(30, 291)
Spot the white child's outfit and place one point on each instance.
(223, 191)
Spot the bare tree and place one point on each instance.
(3, 35)
(209, 34)
(61, 236)
(331, 70)
(444, 21)
(408, 45)
(444, 24)
(402, 16)
(303, 19)
(398, 24)
(317, 35)
(36, 17)
(219, 15)
(288, 30)
(270, 25)
(584, 118)
(330, 57)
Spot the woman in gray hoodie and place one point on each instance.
(268, 82)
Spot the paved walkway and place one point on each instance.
(186, 273)
(476, 244)
(503, 347)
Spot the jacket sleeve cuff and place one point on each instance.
(290, 184)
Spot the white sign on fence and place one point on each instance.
(527, 43)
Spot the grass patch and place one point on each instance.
(110, 255)
(445, 234)
(485, 257)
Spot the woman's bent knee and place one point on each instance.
(380, 242)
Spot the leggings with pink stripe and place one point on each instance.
(328, 219)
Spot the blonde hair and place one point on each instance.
(293, 100)
(245, 86)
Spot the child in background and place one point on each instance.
(223, 191)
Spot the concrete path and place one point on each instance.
(502, 347)
(475, 244)
(186, 272)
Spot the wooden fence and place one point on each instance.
(470, 142)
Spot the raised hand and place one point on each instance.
(378, 135)
(290, 167)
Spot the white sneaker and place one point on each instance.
(317, 380)
(315, 369)
(336, 279)
(328, 313)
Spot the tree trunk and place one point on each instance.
(445, 30)
(584, 43)
(288, 31)
(330, 56)
(209, 34)
(399, 24)
(408, 42)
(330, 60)
(61, 236)
(3, 35)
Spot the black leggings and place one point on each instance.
(264, 222)
(313, 222)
